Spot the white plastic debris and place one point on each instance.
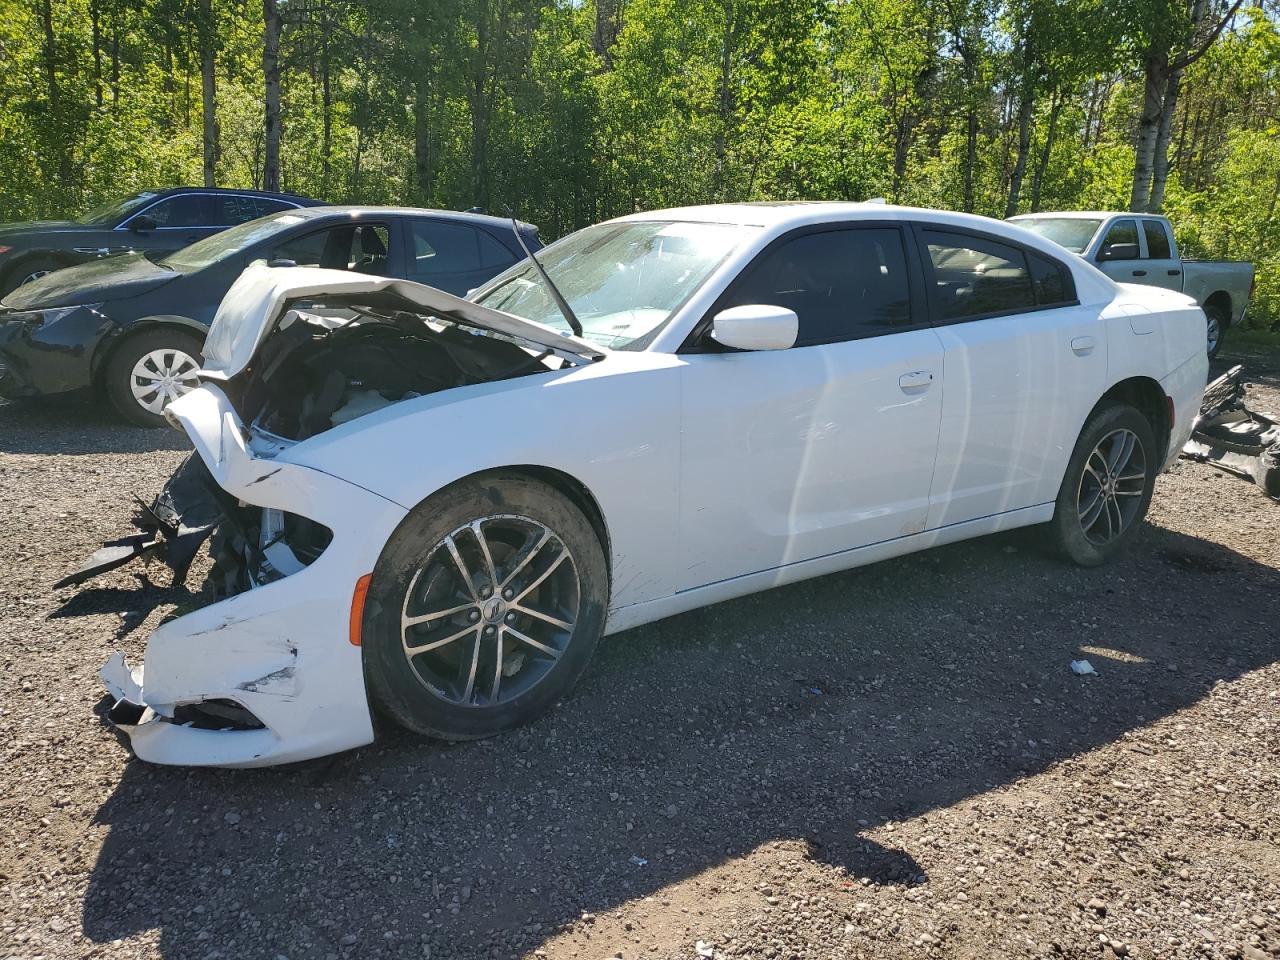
(640, 861)
(705, 949)
(1083, 668)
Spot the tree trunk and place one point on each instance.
(725, 98)
(608, 26)
(326, 112)
(1037, 179)
(1024, 145)
(970, 156)
(271, 94)
(480, 110)
(1160, 170)
(96, 24)
(60, 141)
(422, 157)
(1156, 79)
(208, 91)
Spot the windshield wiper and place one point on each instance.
(563, 304)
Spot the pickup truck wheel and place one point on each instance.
(1107, 487)
(151, 369)
(484, 608)
(1216, 323)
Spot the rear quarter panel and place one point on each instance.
(1201, 279)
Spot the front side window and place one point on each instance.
(842, 284)
(623, 281)
(1157, 240)
(184, 210)
(1122, 231)
(111, 213)
(357, 248)
(975, 277)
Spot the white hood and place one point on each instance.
(257, 301)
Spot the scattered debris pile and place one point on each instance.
(1227, 434)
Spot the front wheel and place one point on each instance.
(150, 370)
(1107, 487)
(484, 608)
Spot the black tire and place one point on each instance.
(409, 689)
(1215, 314)
(118, 376)
(27, 270)
(1068, 527)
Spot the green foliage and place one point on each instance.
(571, 111)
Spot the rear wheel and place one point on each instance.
(1107, 487)
(484, 608)
(1215, 328)
(150, 370)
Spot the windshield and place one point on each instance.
(210, 250)
(1074, 233)
(623, 280)
(111, 212)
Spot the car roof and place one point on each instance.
(1081, 214)
(782, 215)
(234, 191)
(478, 219)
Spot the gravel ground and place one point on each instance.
(888, 762)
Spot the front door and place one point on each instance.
(795, 454)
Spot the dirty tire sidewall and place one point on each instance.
(393, 688)
(119, 369)
(1221, 316)
(1067, 535)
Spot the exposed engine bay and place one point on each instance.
(1228, 435)
(322, 366)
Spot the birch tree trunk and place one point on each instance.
(271, 94)
(208, 91)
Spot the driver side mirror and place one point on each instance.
(142, 224)
(756, 327)
(1118, 251)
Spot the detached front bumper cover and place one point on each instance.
(1228, 435)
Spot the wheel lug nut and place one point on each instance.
(475, 615)
(508, 593)
(511, 618)
(485, 592)
(488, 631)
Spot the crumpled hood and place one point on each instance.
(258, 300)
(112, 278)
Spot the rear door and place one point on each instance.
(1023, 365)
(451, 255)
(789, 455)
(1163, 268)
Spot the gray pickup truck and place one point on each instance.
(1140, 248)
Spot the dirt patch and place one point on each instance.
(892, 761)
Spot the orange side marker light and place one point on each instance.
(357, 607)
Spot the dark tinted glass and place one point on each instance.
(1122, 231)
(492, 253)
(1157, 240)
(362, 249)
(1051, 280)
(842, 284)
(231, 210)
(976, 277)
(184, 210)
(442, 248)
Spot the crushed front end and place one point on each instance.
(266, 672)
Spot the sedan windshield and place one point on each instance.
(622, 280)
(110, 213)
(1074, 233)
(210, 250)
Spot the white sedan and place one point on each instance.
(436, 507)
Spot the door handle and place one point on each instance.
(916, 380)
(1175, 273)
(1083, 346)
(1139, 273)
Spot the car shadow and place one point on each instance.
(77, 425)
(810, 713)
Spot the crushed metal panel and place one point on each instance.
(1230, 436)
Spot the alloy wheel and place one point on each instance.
(1111, 487)
(491, 611)
(161, 376)
(1214, 329)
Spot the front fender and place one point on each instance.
(613, 426)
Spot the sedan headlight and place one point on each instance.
(40, 318)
